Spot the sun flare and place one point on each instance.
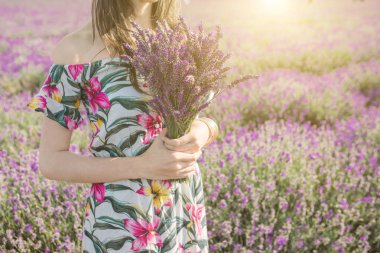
(272, 7)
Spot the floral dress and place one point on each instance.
(131, 215)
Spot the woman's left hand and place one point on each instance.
(191, 142)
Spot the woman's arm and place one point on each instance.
(67, 166)
(56, 162)
(157, 162)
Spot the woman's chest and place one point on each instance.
(118, 109)
(111, 91)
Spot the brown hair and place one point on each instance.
(111, 19)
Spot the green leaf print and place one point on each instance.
(169, 221)
(119, 75)
(143, 149)
(137, 180)
(181, 223)
(115, 88)
(72, 83)
(69, 100)
(201, 243)
(189, 244)
(117, 187)
(198, 188)
(166, 216)
(104, 226)
(185, 199)
(98, 245)
(131, 103)
(115, 63)
(150, 204)
(125, 207)
(185, 212)
(57, 115)
(204, 221)
(112, 149)
(96, 66)
(169, 243)
(117, 244)
(83, 74)
(110, 220)
(118, 128)
(176, 195)
(56, 73)
(131, 140)
(123, 120)
(192, 187)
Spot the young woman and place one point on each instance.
(132, 206)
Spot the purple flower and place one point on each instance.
(299, 244)
(344, 204)
(281, 241)
(222, 204)
(28, 228)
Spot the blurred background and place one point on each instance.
(296, 164)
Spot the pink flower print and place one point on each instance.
(75, 70)
(99, 190)
(144, 232)
(96, 98)
(51, 90)
(196, 212)
(180, 248)
(70, 123)
(37, 102)
(152, 124)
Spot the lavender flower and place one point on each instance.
(185, 70)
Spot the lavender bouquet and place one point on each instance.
(183, 69)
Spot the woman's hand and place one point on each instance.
(162, 163)
(192, 141)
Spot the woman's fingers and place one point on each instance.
(188, 157)
(186, 171)
(183, 168)
(190, 147)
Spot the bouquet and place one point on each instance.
(183, 69)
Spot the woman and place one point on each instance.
(132, 206)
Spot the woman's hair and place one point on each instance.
(111, 18)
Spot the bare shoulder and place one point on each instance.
(71, 48)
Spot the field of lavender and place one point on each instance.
(297, 163)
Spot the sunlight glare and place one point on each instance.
(273, 7)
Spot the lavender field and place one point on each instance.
(296, 167)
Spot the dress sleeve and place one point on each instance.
(59, 98)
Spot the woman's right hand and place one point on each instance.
(162, 163)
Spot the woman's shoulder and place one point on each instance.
(70, 48)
